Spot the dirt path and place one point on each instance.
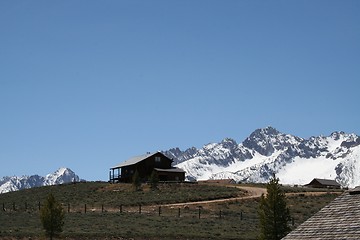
(251, 192)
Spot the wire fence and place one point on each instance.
(193, 211)
(247, 216)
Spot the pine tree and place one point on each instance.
(52, 217)
(154, 180)
(273, 213)
(136, 181)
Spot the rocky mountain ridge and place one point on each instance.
(60, 176)
(266, 151)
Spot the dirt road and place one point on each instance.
(251, 192)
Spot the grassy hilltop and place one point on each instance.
(97, 210)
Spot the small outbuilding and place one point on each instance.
(145, 165)
(323, 183)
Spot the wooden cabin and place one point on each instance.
(323, 183)
(145, 165)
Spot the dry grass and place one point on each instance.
(238, 218)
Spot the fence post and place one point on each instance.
(220, 214)
(241, 215)
(85, 208)
(293, 221)
(4, 207)
(68, 207)
(179, 212)
(199, 212)
(121, 208)
(102, 208)
(159, 211)
(39, 205)
(14, 207)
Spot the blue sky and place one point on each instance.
(89, 84)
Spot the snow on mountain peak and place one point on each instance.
(60, 176)
(336, 135)
(268, 140)
(266, 151)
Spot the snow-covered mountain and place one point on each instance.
(60, 176)
(266, 151)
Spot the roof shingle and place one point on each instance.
(338, 220)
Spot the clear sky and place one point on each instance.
(88, 84)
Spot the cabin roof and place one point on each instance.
(338, 220)
(136, 159)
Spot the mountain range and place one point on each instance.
(60, 176)
(267, 151)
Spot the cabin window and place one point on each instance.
(157, 159)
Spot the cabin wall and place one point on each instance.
(171, 176)
(146, 167)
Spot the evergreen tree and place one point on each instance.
(136, 181)
(52, 217)
(154, 180)
(274, 215)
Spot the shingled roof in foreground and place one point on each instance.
(338, 220)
